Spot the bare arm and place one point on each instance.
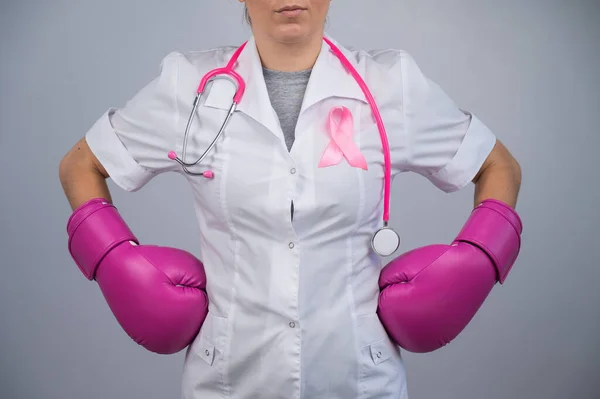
(499, 177)
(82, 176)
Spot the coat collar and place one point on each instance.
(328, 79)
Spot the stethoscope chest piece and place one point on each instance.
(385, 241)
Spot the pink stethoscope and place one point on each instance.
(385, 241)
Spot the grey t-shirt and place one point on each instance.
(286, 92)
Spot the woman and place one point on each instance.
(289, 299)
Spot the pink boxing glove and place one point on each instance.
(430, 294)
(157, 294)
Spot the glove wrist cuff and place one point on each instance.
(94, 229)
(496, 229)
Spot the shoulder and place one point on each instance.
(194, 62)
(387, 59)
(181, 70)
(392, 70)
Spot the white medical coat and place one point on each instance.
(292, 302)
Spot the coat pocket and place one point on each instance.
(205, 361)
(209, 344)
(382, 372)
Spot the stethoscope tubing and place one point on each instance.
(240, 89)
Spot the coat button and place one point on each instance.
(293, 171)
(291, 245)
(292, 324)
(207, 352)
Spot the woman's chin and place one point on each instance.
(291, 33)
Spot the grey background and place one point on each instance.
(529, 69)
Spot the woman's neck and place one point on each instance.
(289, 57)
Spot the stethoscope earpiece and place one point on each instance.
(207, 173)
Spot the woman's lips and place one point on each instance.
(291, 12)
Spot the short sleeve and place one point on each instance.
(132, 142)
(444, 143)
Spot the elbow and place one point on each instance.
(65, 166)
(517, 172)
(79, 159)
(72, 163)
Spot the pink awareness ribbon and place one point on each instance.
(341, 129)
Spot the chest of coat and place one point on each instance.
(257, 179)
